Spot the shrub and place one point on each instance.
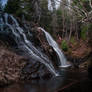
(84, 30)
(64, 45)
(72, 40)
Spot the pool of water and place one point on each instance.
(67, 79)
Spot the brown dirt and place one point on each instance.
(79, 50)
(10, 66)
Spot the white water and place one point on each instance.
(26, 45)
(54, 45)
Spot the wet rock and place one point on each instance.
(39, 36)
(34, 71)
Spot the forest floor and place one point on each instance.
(78, 49)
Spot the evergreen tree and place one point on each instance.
(12, 6)
(1, 7)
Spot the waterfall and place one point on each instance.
(25, 44)
(54, 45)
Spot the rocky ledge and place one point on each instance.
(16, 68)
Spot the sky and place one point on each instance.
(4, 2)
(50, 6)
(57, 2)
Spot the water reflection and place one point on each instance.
(44, 86)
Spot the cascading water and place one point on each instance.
(25, 44)
(54, 45)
